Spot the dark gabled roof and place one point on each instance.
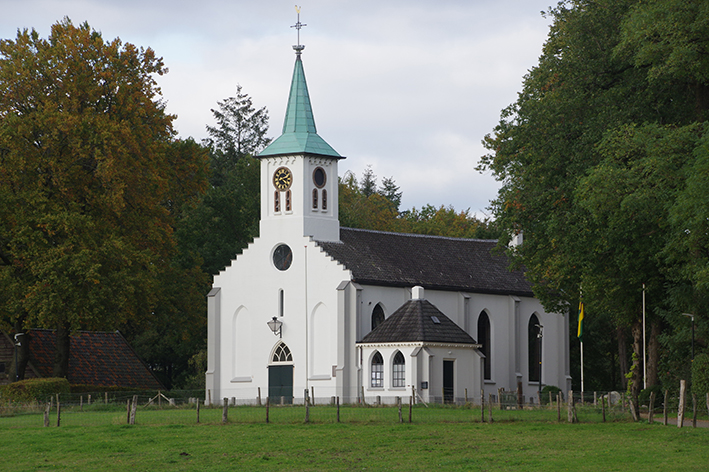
(434, 262)
(95, 358)
(415, 321)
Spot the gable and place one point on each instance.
(434, 262)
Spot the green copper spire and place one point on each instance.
(299, 132)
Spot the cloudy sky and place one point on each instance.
(409, 88)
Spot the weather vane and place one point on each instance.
(298, 47)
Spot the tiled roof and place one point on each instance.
(95, 358)
(434, 262)
(418, 321)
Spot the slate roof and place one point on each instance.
(415, 322)
(433, 262)
(96, 358)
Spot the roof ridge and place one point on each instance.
(418, 235)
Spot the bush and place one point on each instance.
(700, 375)
(34, 389)
(545, 393)
(644, 396)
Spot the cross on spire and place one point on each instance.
(298, 47)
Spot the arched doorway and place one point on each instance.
(280, 375)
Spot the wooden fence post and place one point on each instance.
(225, 410)
(133, 409)
(482, 405)
(499, 399)
(59, 412)
(128, 411)
(664, 409)
(312, 395)
(633, 411)
(197, 410)
(258, 401)
(105, 398)
(81, 403)
(558, 407)
(651, 411)
(398, 402)
(46, 415)
(694, 410)
(680, 411)
(603, 407)
(411, 405)
(570, 407)
(466, 396)
(489, 408)
(338, 408)
(268, 405)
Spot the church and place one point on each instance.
(310, 308)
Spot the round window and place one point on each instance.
(282, 257)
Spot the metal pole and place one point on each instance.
(582, 369)
(644, 345)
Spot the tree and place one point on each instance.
(240, 131)
(583, 159)
(226, 218)
(85, 181)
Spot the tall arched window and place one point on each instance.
(377, 370)
(399, 371)
(484, 339)
(377, 316)
(535, 354)
(315, 199)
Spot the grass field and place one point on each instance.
(371, 439)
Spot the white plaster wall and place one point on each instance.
(249, 298)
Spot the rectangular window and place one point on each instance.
(281, 302)
(276, 202)
(288, 207)
(377, 375)
(399, 372)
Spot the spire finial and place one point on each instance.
(298, 47)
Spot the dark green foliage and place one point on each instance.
(34, 389)
(700, 375)
(545, 394)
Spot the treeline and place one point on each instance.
(109, 221)
(604, 161)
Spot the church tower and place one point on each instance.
(299, 184)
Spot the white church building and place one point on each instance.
(311, 306)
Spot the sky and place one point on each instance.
(409, 88)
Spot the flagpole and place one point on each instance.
(582, 371)
(644, 345)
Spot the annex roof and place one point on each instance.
(418, 321)
(434, 262)
(299, 132)
(96, 358)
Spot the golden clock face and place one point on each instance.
(282, 178)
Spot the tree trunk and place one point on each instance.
(622, 356)
(653, 353)
(23, 351)
(61, 351)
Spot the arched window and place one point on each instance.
(315, 199)
(377, 316)
(399, 371)
(484, 339)
(535, 354)
(377, 370)
(324, 199)
(288, 205)
(277, 202)
(282, 353)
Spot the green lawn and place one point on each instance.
(372, 439)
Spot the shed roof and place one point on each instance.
(434, 262)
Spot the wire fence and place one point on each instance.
(188, 407)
